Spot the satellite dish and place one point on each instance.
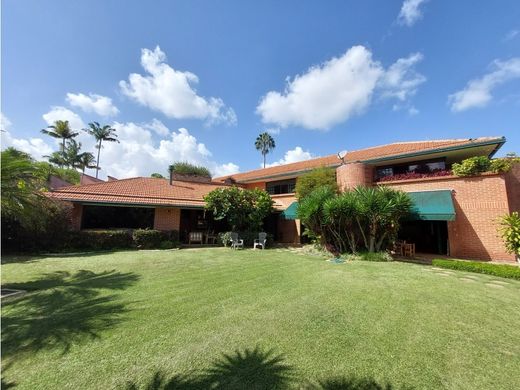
(342, 155)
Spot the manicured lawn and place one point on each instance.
(284, 320)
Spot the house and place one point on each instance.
(452, 215)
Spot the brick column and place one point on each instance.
(355, 174)
(167, 218)
(76, 217)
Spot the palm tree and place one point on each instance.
(60, 129)
(264, 143)
(105, 133)
(86, 160)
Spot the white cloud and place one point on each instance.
(138, 154)
(333, 92)
(158, 127)
(401, 80)
(478, 92)
(101, 105)
(413, 111)
(291, 156)
(36, 147)
(273, 130)
(5, 123)
(171, 91)
(511, 35)
(410, 12)
(61, 113)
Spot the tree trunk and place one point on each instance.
(264, 159)
(97, 161)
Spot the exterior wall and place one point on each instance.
(167, 218)
(513, 188)
(260, 184)
(354, 174)
(289, 231)
(479, 203)
(76, 217)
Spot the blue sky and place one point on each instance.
(199, 80)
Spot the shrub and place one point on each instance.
(100, 239)
(185, 168)
(471, 166)
(501, 165)
(148, 238)
(415, 175)
(319, 177)
(501, 270)
(168, 244)
(510, 231)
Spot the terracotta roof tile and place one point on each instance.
(356, 155)
(139, 190)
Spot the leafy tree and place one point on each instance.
(46, 170)
(265, 144)
(60, 129)
(510, 231)
(157, 175)
(101, 133)
(185, 168)
(339, 214)
(318, 177)
(310, 211)
(244, 209)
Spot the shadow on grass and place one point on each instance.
(12, 258)
(61, 309)
(251, 369)
(257, 370)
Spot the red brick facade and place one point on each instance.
(76, 217)
(354, 174)
(167, 218)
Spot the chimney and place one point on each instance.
(171, 176)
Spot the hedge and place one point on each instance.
(501, 270)
(99, 239)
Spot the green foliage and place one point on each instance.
(502, 165)
(46, 170)
(185, 168)
(368, 216)
(100, 239)
(510, 231)
(248, 237)
(60, 129)
(157, 175)
(319, 177)
(265, 144)
(101, 133)
(148, 238)
(168, 244)
(471, 166)
(501, 270)
(244, 209)
(371, 256)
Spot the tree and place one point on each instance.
(60, 129)
(86, 160)
(185, 168)
(310, 211)
(101, 133)
(157, 175)
(318, 177)
(244, 209)
(265, 144)
(339, 215)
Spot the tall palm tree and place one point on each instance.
(105, 133)
(86, 160)
(264, 143)
(60, 129)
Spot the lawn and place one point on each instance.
(200, 318)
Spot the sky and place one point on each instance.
(197, 81)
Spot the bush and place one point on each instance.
(471, 166)
(185, 168)
(148, 238)
(510, 231)
(248, 237)
(317, 178)
(504, 271)
(501, 165)
(368, 256)
(168, 244)
(99, 239)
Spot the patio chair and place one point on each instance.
(195, 237)
(236, 242)
(211, 236)
(409, 250)
(260, 241)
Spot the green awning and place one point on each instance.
(290, 212)
(432, 206)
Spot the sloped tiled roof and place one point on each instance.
(139, 190)
(395, 149)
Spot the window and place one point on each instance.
(281, 187)
(417, 167)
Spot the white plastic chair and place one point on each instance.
(236, 242)
(260, 241)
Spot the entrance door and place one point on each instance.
(428, 236)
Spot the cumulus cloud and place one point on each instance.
(333, 92)
(36, 147)
(138, 154)
(101, 105)
(512, 34)
(5, 123)
(478, 92)
(291, 156)
(410, 12)
(64, 114)
(401, 80)
(171, 91)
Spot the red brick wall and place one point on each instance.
(354, 174)
(479, 203)
(513, 188)
(77, 213)
(167, 218)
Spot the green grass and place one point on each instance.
(255, 319)
(501, 270)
